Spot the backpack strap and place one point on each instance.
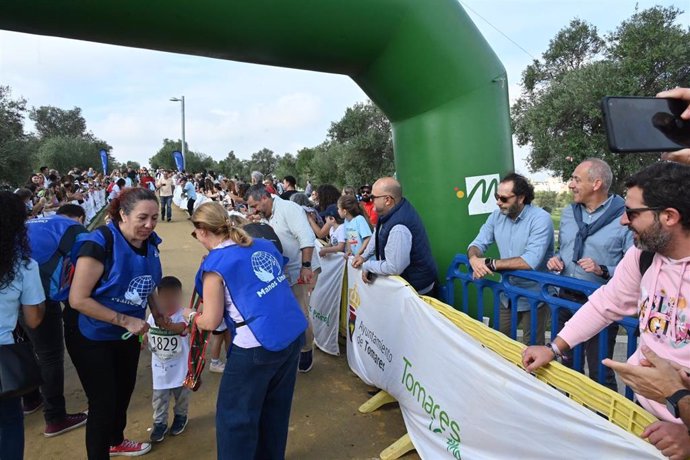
(64, 247)
(646, 258)
(108, 249)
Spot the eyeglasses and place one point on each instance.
(503, 199)
(632, 213)
(374, 197)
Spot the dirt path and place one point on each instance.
(325, 423)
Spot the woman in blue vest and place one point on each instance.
(115, 277)
(242, 282)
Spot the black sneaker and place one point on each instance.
(306, 361)
(179, 424)
(158, 432)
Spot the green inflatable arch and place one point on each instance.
(423, 62)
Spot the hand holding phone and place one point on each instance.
(646, 124)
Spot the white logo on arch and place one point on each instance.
(480, 192)
(265, 266)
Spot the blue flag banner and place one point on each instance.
(179, 160)
(104, 160)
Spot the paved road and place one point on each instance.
(324, 425)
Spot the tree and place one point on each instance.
(263, 161)
(558, 114)
(286, 165)
(303, 166)
(232, 166)
(16, 147)
(53, 121)
(64, 153)
(132, 165)
(365, 142)
(163, 158)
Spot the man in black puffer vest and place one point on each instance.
(399, 245)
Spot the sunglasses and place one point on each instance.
(503, 199)
(366, 192)
(632, 213)
(374, 197)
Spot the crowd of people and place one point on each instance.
(262, 266)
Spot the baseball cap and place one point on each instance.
(330, 211)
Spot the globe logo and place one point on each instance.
(265, 266)
(139, 289)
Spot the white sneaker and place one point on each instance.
(217, 367)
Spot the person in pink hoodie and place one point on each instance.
(658, 213)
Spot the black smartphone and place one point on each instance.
(645, 124)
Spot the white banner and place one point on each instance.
(460, 399)
(324, 302)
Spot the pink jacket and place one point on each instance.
(659, 298)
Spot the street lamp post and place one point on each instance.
(184, 146)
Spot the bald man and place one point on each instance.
(399, 245)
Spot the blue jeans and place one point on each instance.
(254, 400)
(11, 429)
(166, 207)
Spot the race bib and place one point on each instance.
(164, 344)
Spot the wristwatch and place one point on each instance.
(604, 272)
(306, 264)
(490, 264)
(673, 400)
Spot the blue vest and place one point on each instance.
(259, 290)
(51, 240)
(422, 269)
(129, 281)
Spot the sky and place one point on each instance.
(124, 93)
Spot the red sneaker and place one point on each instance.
(130, 449)
(70, 422)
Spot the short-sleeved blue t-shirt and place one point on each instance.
(356, 231)
(25, 289)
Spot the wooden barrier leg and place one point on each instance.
(379, 399)
(398, 448)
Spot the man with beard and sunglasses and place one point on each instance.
(525, 239)
(657, 211)
(591, 243)
(368, 204)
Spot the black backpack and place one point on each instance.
(645, 261)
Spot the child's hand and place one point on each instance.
(322, 252)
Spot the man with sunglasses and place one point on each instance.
(524, 236)
(399, 245)
(658, 214)
(368, 204)
(592, 242)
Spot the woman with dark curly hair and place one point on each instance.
(20, 286)
(326, 195)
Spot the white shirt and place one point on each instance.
(170, 353)
(292, 227)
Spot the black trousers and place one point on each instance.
(108, 372)
(48, 342)
(591, 347)
(190, 206)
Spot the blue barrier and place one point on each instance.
(461, 270)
